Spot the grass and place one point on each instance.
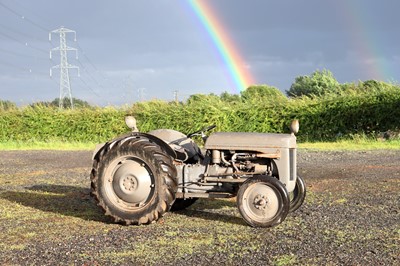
(285, 260)
(50, 216)
(353, 144)
(51, 145)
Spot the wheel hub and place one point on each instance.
(260, 202)
(132, 182)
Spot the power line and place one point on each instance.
(19, 33)
(32, 12)
(23, 69)
(90, 88)
(9, 52)
(21, 38)
(87, 72)
(24, 18)
(26, 44)
(15, 66)
(87, 59)
(103, 79)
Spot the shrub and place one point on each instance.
(317, 84)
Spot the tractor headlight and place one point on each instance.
(294, 126)
(130, 121)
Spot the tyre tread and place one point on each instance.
(166, 171)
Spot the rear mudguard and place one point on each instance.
(151, 138)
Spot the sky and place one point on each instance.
(140, 50)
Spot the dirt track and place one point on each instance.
(350, 217)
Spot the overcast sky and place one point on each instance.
(142, 50)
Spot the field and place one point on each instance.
(350, 217)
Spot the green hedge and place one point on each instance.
(46, 124)
(326, 118)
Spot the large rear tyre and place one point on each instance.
(181, 204)
(263, 201)
(298, 195)
(134, 181)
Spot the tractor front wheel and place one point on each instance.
(263, 201)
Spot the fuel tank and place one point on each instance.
(184, 147)
(248, 141)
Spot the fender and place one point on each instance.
(151, 138)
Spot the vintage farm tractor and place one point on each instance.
(138, 177)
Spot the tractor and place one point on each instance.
(138, 177)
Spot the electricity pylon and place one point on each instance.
(64, 66)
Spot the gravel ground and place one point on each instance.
(350, 217)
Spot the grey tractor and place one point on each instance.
(137, 177)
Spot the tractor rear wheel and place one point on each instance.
(263, 201)
(134, 181)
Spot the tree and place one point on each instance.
(369, 85)
(229, 98)
(262, 92)
(317, 84)
(55, 103)
(203, 98)
(7, 105)
(78, 103)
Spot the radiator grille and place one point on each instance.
(292, 161)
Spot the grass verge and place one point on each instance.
(50, 145)
(354, 144)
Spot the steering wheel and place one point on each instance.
(201, 131)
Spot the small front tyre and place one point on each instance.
(263, 201)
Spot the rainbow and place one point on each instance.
(226, 48)
(376, 67)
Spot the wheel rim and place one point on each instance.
(261, 202)
(130, 183)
